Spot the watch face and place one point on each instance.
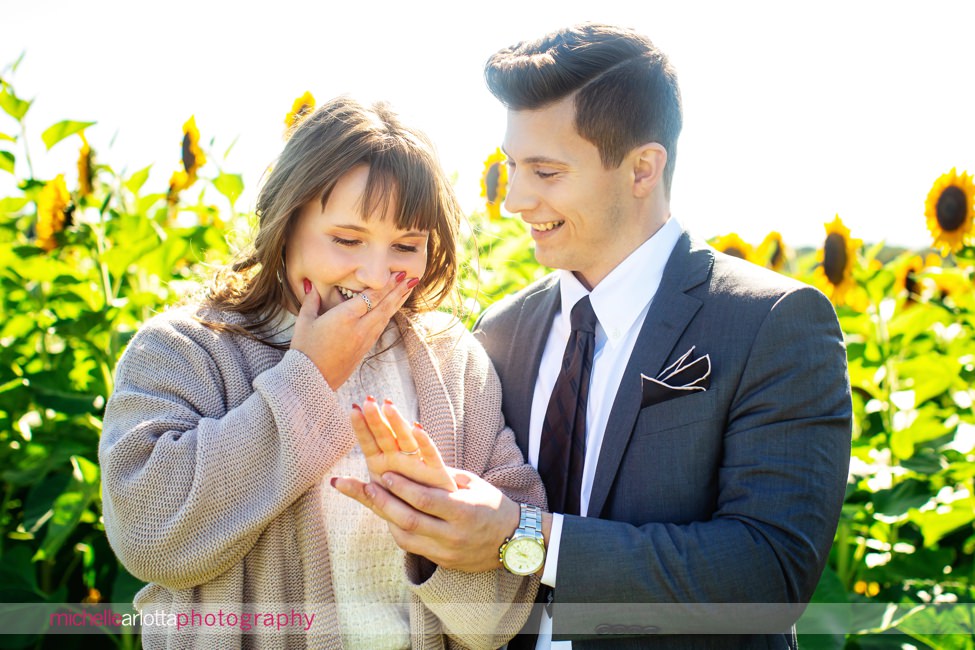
(524, 555)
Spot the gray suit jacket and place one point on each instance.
(731, 495)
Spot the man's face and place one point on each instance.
(583, 217)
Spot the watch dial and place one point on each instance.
(524, 555)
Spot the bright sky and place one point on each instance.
(793, 112)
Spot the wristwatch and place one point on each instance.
(524, 552)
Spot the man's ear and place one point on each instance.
(649, 161)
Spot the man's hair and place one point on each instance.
(625, 89)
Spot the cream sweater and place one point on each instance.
(215, 453)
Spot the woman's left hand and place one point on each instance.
(391, 444)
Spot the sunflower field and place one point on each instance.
(88, 255)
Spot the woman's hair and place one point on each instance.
(625, 90)
(404, 174)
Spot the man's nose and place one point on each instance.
(520, 197)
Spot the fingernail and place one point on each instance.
(387, 480)
(412, 283)
(357, 407)
(370, 490)
(388, 401)
(400, 276)
(370, 398)
(307, 284)
(332, 480)
(418, 426)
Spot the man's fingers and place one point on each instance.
(362, 433)
(432, 501)
(387, 506)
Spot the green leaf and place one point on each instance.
(230, 185)
(137, 180)
(8, 138)
(936, 524)
(57, 132)
(13, 105)
(69, 507)
(908, 494)
(7, 161)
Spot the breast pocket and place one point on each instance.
(678, 412)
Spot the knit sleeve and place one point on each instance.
(197, 461)
(483, 610)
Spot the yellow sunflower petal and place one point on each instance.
(836, 259)
(732, 244)
(950, 211)
(192, 154)
(301, 108)
(52, 202)
(494, 183)
(772, 251)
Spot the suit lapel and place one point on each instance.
(670, 313)
(530, 335)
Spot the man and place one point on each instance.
(694, 436)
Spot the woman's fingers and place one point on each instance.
(402, 429)
(382, 433)
(363, 434)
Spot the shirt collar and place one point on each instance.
(623, 294)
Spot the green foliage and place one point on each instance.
(129, 249)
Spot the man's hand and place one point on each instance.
(456, 530)
(391, 444)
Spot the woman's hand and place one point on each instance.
(337, 340)
(391, 444)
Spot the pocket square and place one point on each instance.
(682, 377)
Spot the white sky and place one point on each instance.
(793, 112)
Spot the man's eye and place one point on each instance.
(546, 174)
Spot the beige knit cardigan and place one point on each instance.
(215, 452)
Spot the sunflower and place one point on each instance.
(908, 279)
(732, 244)
(950, 210)
(85, 169)
(52, 212)
(494, 183)
(193, 156)
(302, 107)
(835, 269)
(772, 251)
(178, 182)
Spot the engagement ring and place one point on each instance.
(368, 302)
(410, 453)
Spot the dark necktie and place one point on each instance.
(562, 451)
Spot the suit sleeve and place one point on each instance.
(484, 610)
(781, 484)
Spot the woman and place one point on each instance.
(229, 417)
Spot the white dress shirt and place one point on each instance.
(621, 302)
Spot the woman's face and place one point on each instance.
(341, 254)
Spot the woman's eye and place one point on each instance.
(406, 248)
(345, 242)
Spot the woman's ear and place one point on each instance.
(649, 161)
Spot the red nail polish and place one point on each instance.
(412, 283)
(400, 276)
(307, 284)
(357, 407)
(332, 481)
(388, 401)
(370, 398)
(418, 426)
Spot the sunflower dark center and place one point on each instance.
(778, 255)
(951, 209)
(491, 181)
(911, 284)
(734, 252)
(189, 158)
(834, 257)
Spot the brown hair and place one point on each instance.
(626, 91)
(403, 172)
